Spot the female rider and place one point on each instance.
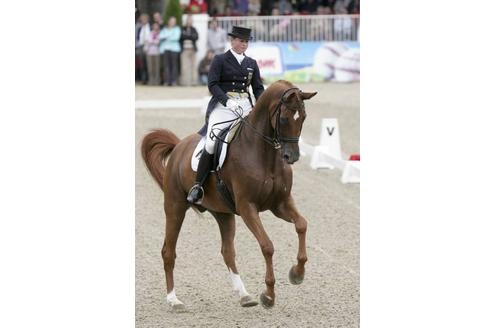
(229, 77)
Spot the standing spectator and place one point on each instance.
(152, 47)
(308, 6)
(353, 7)
(188, 38)
(340, 7)
(284, 7)
(144, 32)
(157, 18)
(227, 11)
(204, 67)
(254, 7)
(240, 7)
(327, 10)
(217, 38)
(170, 48)
(266, 7)
(197, 6)
(137, 61)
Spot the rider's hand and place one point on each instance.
(232, 104)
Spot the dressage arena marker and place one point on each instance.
(329, 146)
(351, 173)
(328, 153)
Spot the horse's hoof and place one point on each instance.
(294, 278)
(266, 301)
(247, 301)
(177, 306)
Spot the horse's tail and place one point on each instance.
(155, 148)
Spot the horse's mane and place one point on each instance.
(273, 92)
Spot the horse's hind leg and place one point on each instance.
(226, 223)
(174, 211)
(251, 218)
(288, 212)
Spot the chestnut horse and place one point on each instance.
(256, 172)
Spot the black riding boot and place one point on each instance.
(204, 167)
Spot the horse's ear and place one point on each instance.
(308, 95)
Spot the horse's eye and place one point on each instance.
(284, 120)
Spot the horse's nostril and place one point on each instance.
(286, 156)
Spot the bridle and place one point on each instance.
(277, 139)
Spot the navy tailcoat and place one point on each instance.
(227, 75)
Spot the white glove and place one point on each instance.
(232, 104)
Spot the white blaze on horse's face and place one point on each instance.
(290, 125)
(287, 121)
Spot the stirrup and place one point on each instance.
(196, 194)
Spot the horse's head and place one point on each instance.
(287, 117)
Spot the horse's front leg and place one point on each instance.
(226, 223)
(250, 215)
(288, 212)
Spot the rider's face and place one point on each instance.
(239, 45)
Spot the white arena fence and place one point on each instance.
(296, 27)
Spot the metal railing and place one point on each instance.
(297, 27)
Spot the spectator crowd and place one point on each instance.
(165, 53)
(283, 7)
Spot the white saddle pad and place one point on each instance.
(201, 145)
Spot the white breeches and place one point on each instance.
(221, 114)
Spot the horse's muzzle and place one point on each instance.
(290, 156)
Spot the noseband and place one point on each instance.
(277, 139)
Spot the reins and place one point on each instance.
(274, 141)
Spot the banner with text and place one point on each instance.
(307, 61)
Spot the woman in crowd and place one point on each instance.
(152, 47)
(142, 33)
(170, 48)
(189, 35)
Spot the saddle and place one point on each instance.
(219, 154)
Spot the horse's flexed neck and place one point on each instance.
(268, 101)
(277, 119)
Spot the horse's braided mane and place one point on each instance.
(272, 92)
